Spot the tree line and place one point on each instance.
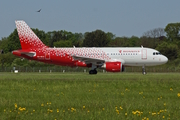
(166, 40)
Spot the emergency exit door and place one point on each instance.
(144, 54)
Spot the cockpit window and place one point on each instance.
(156, 53)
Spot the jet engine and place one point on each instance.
(113, 66)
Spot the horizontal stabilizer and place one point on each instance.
(24, 52)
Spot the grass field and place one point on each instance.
(81, 96)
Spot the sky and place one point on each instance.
(120, 17)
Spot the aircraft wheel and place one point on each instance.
(92, 72)
(144, 71)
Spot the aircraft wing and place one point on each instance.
(87, 60)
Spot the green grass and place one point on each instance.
(81, 96)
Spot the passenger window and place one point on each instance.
(153, 53)
(156, 53)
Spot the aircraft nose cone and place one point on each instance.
(165, 59)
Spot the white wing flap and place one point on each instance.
(89, 60)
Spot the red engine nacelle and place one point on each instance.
(113, 67)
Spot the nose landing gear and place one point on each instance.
(143, 70)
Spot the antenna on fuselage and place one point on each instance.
(141, 46)
(74, 46)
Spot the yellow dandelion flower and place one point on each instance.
(163, 117)
(133, 112)
(153, 113)
(83, 106)
(117, 111)
(158, 98)
(72, 109)
(171, 89)
(22, 109)
(57, 110)
(15, 105)
(42, 104)
(19, 108)
(4, 110)
(63, 111)
(164, 104)
(178, 94)
(51, 111)
(103, 109)
(33, 110)
(120, 107)
(125, 114)
(88, 111)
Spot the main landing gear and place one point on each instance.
(93, 71)
(143, 70)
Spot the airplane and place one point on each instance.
(112, 59)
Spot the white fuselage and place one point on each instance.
(128, 56)
(136, 56)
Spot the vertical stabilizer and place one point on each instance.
(27, 37)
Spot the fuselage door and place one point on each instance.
(144, 54)
(47, 55)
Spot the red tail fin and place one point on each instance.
(27, 37)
